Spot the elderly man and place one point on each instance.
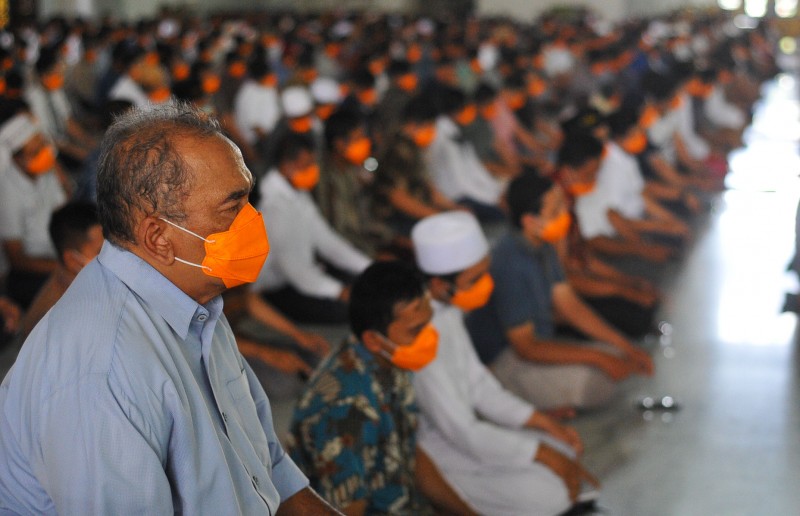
(130, 395)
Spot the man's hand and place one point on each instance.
(547, 424)
(11, 315)
(314, 342)
(617, 368)
(570, 471)
(642, 361)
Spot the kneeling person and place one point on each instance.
(354, 427)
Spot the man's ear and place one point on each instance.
(150, 236)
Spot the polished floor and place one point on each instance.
(731, 365)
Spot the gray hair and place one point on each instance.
(140, 168)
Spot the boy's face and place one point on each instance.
(76, 259)
(410, 318)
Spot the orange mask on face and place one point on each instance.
(375, 67)
(649, 117)
(307, 178)
(236, 255)
(578, 189)
(53, 81)
(151, 59)
(557, 228)
(635, 143)
(476, 296)
(325, 111)
(237, 70)
(368, 97)
(675, 103)
(159, 95)
(414, 53)
(516, 101)
(416, 355)
(211, 84)
(358, 150)
(44, 161)
(407, 82)
(467, 115)
(475, 66)
(536, 87)
(270, 81)
(308, 76)
(490, 111)
(301, 125)
(180, 71)
(424, 136)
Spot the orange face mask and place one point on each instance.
(557, 228)
(237, 70)
(635, 143)
(414, 53)
(301, 125)
(476, 296)
(325, 111)
(159, 95)
(53, 81)
(308, 76)
(151, 59)
(475, 66)
(467, 115)
(649, 117)
(211, 84)
(368, 97)
(332, 50)
(416, 355)
(407, 82)
(536, 87)
(44, 161)
(236, 255)
(270, 81)
(307, 178)
(424, 136)
(578, 189)
(180, 71)
(375, 67)
(675, 103)
(696, 88)
(358, 150)
(489, 112)
(516, 101)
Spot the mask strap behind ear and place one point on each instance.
(186, 230)
(193, 264)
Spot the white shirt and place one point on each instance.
(619, 187)
(127, 89)
(256, 106)
(297, 234)
(722, 113)
(26, 205)
(662, 134)
(456, 169)
(51, 109)
(697, 147)
(468, 422)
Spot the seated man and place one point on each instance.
(354, 427)
(291, 279)
(77, 236)
(33, 187)
(515, 332)
(500, 454)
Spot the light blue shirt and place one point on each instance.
(131, 398)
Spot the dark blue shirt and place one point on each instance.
(524, 277)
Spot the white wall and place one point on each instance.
(527, 10)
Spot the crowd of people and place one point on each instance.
(486, 204)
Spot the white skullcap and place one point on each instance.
(16, 132)
(326, 91)
(296, 102)
(557, 61)
(448, 242)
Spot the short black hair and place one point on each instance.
(621, 120)
(485, 93)
(140, 168)
(48, 59)
(579, 148)
(70, 224)
(376, 292)
(525, 195)
(451, 100)
(340, 125)
(419, 110)
(291, 146)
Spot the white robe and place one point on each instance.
(473, 431)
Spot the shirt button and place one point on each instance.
(202, 317)
(225, 417)
(255, 480)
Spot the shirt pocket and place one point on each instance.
(243, 422)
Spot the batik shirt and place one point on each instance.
(353, 433)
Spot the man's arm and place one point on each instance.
(19, 260)
(305, 502)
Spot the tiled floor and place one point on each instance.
(734, 447)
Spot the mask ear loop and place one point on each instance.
(385, 354)
(200, 266)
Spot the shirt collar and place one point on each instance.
(163, 296)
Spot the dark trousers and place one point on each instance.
(307, 309)
(634, 320)
(22, 286)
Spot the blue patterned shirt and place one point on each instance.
(354, 433)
